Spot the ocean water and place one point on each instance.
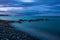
(44, 30)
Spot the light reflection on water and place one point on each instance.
(43, 29)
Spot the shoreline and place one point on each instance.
(10, 33)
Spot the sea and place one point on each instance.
(43, 30)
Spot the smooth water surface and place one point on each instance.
(49, 30)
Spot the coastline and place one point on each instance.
(10, 33)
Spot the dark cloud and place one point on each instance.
(29, 8)
(37, 2)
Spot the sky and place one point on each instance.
(30, 7)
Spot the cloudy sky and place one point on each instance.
(30, 7)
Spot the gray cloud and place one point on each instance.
(34, 7)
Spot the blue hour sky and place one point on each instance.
(30, 7)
